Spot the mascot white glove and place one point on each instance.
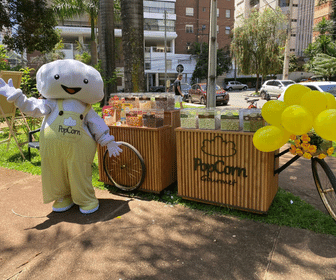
(113, 148)
(7, 90)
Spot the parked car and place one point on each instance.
(184, 88)
(319, 86)
(198, 93)
(274, 88)
(235, 85)
(157, 89)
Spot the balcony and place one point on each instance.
(70, 50)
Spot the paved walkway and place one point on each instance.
(138, 239)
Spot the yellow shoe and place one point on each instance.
(62, 204)
(88, 209)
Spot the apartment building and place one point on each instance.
(193, 23)
(322, 9)
(301, 21)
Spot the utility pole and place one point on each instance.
(212, 61)
(165, 47)
(287, 47)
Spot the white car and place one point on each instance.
(324, 86)
(274, 88)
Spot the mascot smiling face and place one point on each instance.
(70, 79)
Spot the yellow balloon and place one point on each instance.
(325, 124)
(285, 137)
(268, 138)
(294, 93)
(315, 101)
(297, 119)
(331, 101)
(272, 110)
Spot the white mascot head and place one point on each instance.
(70, 79)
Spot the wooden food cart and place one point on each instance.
(157, 147)
(224, 168)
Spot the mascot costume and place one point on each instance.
(69, 132)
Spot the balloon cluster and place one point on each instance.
(301, 110)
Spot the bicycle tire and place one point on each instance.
(325, 182)
(127, 171)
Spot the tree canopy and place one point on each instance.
(28, 25)
(258, 42)
(324, 42)
(201, 53)
(322, 52)
(71, 8)
(324, 65)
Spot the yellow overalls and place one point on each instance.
(67, 152)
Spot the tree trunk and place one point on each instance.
(106, 44)
(94, 54)
(133, 45)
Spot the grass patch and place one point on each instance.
(286, 209)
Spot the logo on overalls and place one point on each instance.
(69, 122)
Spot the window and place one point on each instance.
(147, 66)
(203, 26)
(295, 5)
(227, 30)
(292, 50)
(294, 20)
(119, 81)
(284, 3)
(159, 25)
(204, 9)
(254, 2)
(158, 7)
(293, 35)
(217, 12)
(189, 28)
(217, 29)
(228, 13)
(189, 11)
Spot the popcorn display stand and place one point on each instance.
(217, 162)
(157, 149)
(155, 140)
(224, 168)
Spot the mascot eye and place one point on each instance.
(56, 77)
(86, 81)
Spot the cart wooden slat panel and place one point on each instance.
(225, 168)
(157, 147)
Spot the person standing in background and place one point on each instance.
(178, 91)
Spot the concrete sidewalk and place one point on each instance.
(137, 239)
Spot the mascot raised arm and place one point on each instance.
(70, 131)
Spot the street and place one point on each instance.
(237, 99)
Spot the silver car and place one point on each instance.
(235, 85)
(274, 88)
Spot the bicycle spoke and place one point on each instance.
(126, 171)
(325, 182)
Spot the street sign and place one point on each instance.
(179, 68)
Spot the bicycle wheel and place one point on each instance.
(128, 170)
(325, 182)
